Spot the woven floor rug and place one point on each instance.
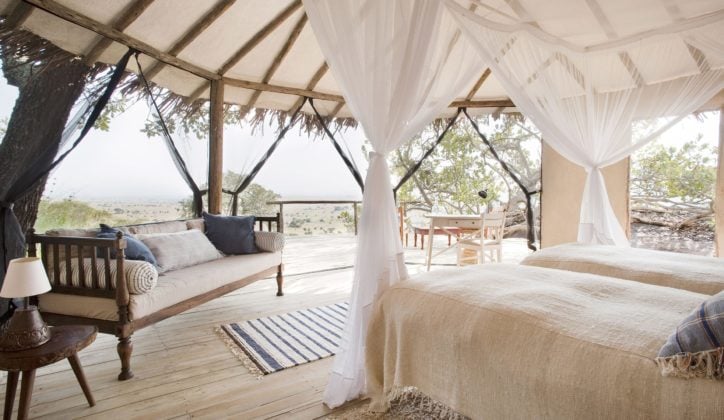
(270, 344)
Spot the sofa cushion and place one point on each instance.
(269, 241)
(232, 235)
(141, 276)
(160, 227)
(197, 224)
(135, 249)
(82, 233)
(172, 288)
(180, 249)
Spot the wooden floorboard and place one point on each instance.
(184, 370)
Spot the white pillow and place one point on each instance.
(180, 249)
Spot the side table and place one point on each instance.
(65, 343)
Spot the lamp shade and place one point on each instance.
(25, 277)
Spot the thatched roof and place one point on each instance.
(265, 51)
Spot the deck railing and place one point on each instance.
(281, 204)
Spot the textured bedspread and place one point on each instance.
(510, 341)
(681, 271)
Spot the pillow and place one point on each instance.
(231, 234)
(135, 249)
(141, 276)
(696, 348)
(180, 249)
(269, 241)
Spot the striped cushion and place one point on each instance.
(696, 348)
(269, 241)
(141, 276)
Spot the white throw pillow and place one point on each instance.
(180, 249)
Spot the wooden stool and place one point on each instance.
(65, 343)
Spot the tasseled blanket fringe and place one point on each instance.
(704, 364)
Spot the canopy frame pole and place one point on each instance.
(178, 160)
(216, 146)
(347, 161)
(252, 174)
(410, 172)
(528, 194)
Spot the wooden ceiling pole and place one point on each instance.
(279, 58)
(197, 29)
(260, 36)
(478, 84)
(127, 17)
(699, 57)
(57, 9)
(19, 13)
(321, 71)
(249, 45)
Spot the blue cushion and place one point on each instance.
(135, 249)
(231, 235)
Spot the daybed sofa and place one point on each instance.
(122, 296)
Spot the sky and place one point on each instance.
(124, 164)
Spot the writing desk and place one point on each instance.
(444, 222)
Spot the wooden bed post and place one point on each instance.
(719, 192)
(216, 146)
(123, 299)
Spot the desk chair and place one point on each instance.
(485, 243)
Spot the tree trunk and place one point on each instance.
(45, 99)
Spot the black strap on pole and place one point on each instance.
(173, 151)
(528, 194)
(247, 180)
(347, 161)
(410, 172)
(11, 234)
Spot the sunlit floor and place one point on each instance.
(182, 369)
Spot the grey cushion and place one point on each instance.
(180, 249)
(232, 235)
(696, 348)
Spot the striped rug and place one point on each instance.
(270, 344)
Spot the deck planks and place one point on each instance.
(184, 370)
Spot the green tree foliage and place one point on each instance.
(462, 165)
(671, 175)
(252, 201)
(69, 214)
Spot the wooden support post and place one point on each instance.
(216, 146)
(719, 191)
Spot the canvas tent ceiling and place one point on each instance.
(268, 55)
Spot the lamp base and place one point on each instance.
(25, 330)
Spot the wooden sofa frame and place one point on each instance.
(125, 326)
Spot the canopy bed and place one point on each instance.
(509, 341)
(681, 271)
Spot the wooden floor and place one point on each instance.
(184, 370)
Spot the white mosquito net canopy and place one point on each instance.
(599, 79)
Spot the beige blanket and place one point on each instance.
(509, 341)
(681, 271)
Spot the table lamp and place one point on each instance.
(25, 277)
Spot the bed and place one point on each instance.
(511, 341)
(681, 271)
